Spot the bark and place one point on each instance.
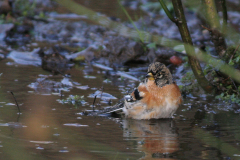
(225, 16)
(215, 27)
(194, 63)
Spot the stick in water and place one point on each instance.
(16, 102)
(94, 102)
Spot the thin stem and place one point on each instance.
(100, 96)
(211, 14)
(186, 37)
(61, 94)
(94, 102)
(233, 53)
(225, 16)
(129, 17)
(235, 86)
(213, 20)
(167, 11)
(228, 62)
(16, 102)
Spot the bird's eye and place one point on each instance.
(153, 73)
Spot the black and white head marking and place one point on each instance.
(160, 73)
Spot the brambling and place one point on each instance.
(156, 97)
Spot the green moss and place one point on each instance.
(75, 100)
(191, 84)
(41, 15)
(227, 90)
(25, 7)
(227, 98)
(232, 56)
(2, 19)
(152, 45)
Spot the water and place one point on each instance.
(46, 129)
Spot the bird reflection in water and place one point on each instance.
(156, 138)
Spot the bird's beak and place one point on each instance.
(150, 76)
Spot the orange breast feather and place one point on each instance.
(156, 96)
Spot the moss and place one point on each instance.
(227, 90)
(232, 56)
(190, 83)
(25, 7)
(228, 98)
(226, 87)
(75, 100)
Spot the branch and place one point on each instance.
(225, 16)
(167, 11)
(194, 63)
(213, 20)
(16, 102)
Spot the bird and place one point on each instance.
(157, 96)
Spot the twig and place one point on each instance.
(167, 11)
(229, 61)
(214, 23)
(93, 105)
(186, 38)
(236, 49)
(94, 102)
(234, 53)
(100, 96)
(129, 17)
(225, 16)
(206, 28)
(16, 102)
(235, 86)
(61, 94)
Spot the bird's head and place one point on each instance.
(160, 74)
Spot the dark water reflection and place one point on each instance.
(155, 138)
(47, 129)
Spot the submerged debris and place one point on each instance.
(55, 63)
(44, 85)
(75, 100)
(20, 34)
(26, 58)
(102, 95)
(75, 125)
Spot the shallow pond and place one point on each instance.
(47, 129)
